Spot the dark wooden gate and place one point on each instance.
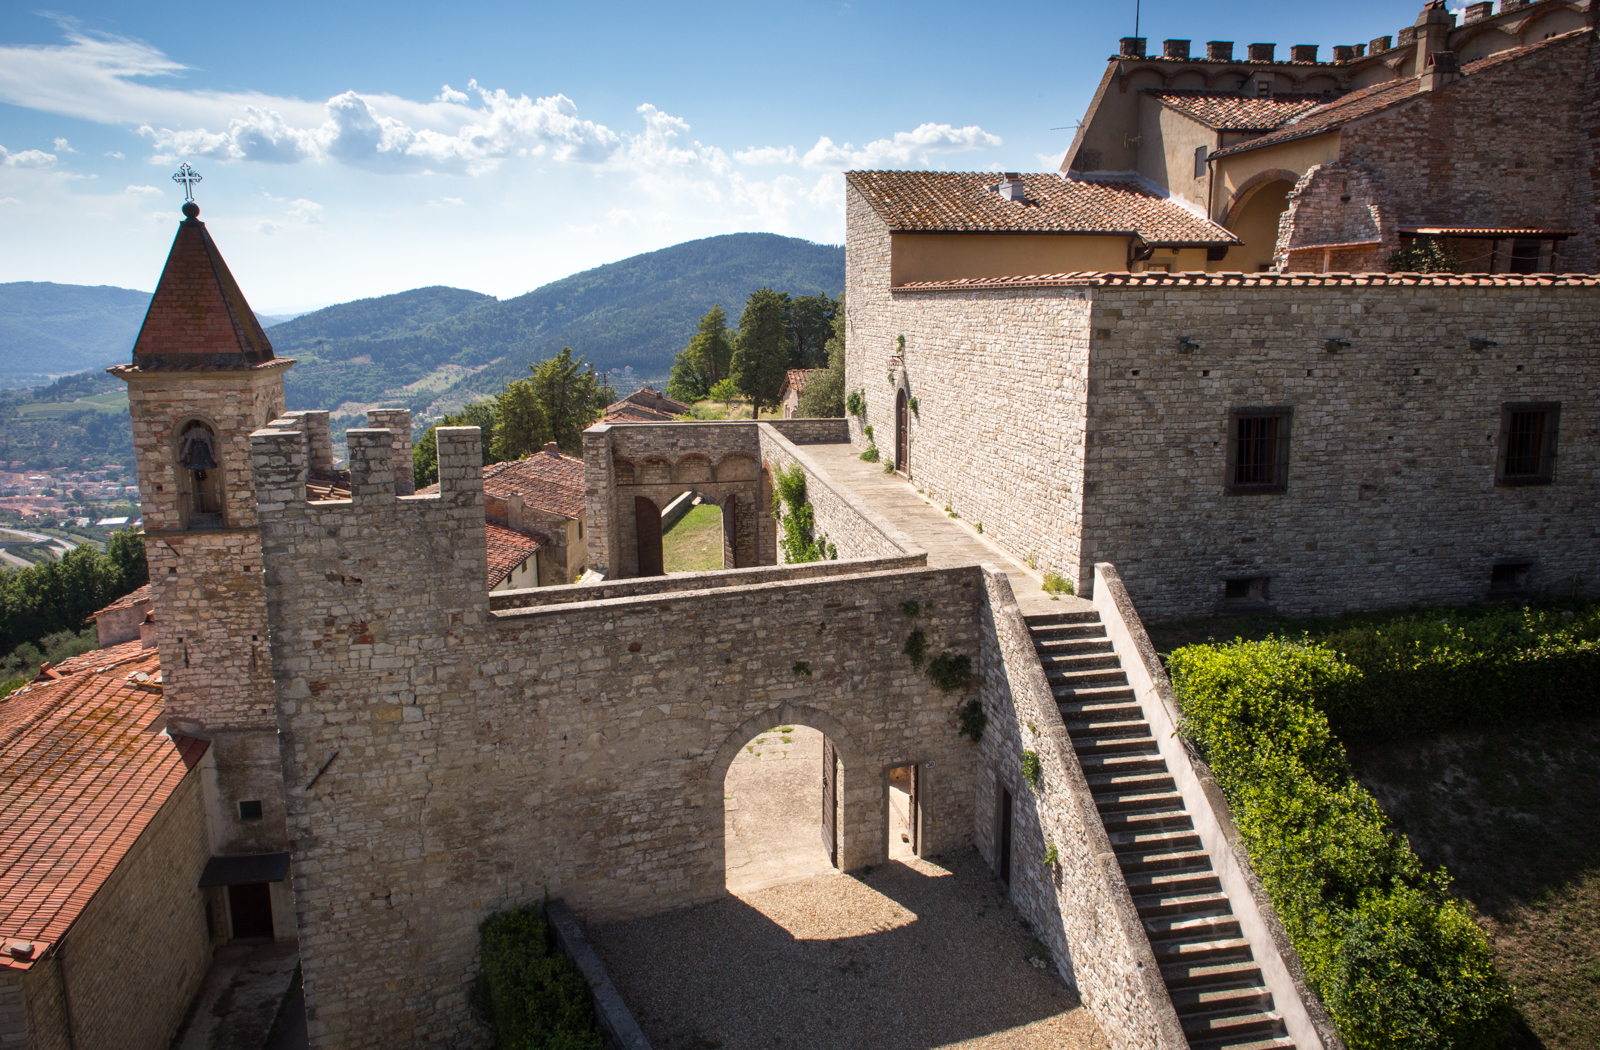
(1005, 836)
(902, 438)
(830, 801)
(250, 909)
(647, 532)
(730, 533)
(915, 814)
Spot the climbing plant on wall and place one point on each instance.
(799, 520)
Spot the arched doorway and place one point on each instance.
(647, 536)
(1254, 220)
(694, 536)
(902, 434)
(781, 802)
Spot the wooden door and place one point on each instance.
(647, 533)
(250, 908)
(1005, 836)
(830, 801)
(902, 438)
(914, 814)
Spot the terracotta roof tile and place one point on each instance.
(551, 483)
(198, 318)
(127, 601)
(1370, 100)
(966, 202)
(1231, 111)
(1197, 279)
(96, 659)
(509, 548)
(627, 412)
(82, 774)
(796, 379)
(652, 399)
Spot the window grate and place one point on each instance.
(1525, 445)
(1257, 457)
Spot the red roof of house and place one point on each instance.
(198, 318)
(509, 548)
(127, 601)
(967, 202)
(546, 481)
(84, 769)
(1231, 111)
(628, 412)
(650, 398)
(93, 660)
(795, 379)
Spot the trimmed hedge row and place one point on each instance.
(529, 992)
(1457, 668)
(1397, 960)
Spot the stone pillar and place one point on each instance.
(371, 455)
(319, 440)
(397, 421)
(278, 465)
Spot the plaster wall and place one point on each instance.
(1166, 151)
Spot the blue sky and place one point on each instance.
(351, 150)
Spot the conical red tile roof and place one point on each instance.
(198, 318)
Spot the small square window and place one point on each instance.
(1509, 579)
(1527, 452)
(1258, 450)
(1245, 590)
(250, 810)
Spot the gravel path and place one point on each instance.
(915, 955)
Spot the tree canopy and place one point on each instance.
(58, 596)
(705, 361)
(823, 395)
(761, 356)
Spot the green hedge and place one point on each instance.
(1442, 669)
(1397, 960)
(530, 993)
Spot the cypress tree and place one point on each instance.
(761, 357)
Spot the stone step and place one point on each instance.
(1142, 780)
(1173, 882)
(1135, 745)
(1151, 839)
(1210, 927)
(1251, 1024)
(1089, 710)
(1109, 728)
(1068, 662)
(1276, 1042)
(1164, 860)
(1119, 765)
(1057, 619)
(1065, 632)
(1078, 694)
(1138, 801)
(1157, 905)
(1078, 679)
(1181, 975)
(1226, 949)
(1071, 646)
(1121, 821)
(1210, 999)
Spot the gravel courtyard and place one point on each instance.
(913, 955)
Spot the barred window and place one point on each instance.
(1258, 450)
(1527, 443)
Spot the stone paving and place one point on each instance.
(772, 806)
(948, 541)
(240, 998)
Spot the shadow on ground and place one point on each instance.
(912, 955)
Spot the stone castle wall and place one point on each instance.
(854, 529)
(444, 760)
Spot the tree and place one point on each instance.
(425, 453)
(823, 396)
(1425, 255)
(564, 390)
(761, 358)
(125, 553)
(705, 361)
(810, 326)
(520, 423)
(726, 391)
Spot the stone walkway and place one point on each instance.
(909, 956)
(772, 806)
(240, 998)
(948, 541)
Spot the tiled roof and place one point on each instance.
(650, 398)
(796, 379)
(509, 548)
(967, 202)
(628, 412)
(1231, 111)
(1370, 100)
(551, 483)
(198, 318)
(94, 660)
(1197, 279)
(83, 772)
(127, 601)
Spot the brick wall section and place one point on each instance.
(1318, 214)
(1081, 908)
(854, 528)
(136, 956)
(480, 758)
(1001, 384)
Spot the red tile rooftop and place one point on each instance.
(127, 601)
(84, 769)
(551, 482)
(509, 548)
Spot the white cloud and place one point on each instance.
(115, 154)
(62, 147)
(755, 156)
(28, 158)
(267, 226)
(305, 211)
(146, 191)
(9, 200)
(905, 149)
(450, 94)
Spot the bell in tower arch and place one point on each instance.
(198, 452)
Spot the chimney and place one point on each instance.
(1175, 49)
(1380, 43)
(1132, 47)
(514, 511)
(552, 449)
(1478, 12)
(1011, 187)
(1361, 50)
(1219, 51)
(1442, 70)
(1263, 52)
(1432, 34)
(1343, 52)
(147, 632)
(1303, 53)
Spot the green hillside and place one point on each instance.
(49, 330)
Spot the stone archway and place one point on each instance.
(1253, 217)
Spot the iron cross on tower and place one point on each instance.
(188, 176)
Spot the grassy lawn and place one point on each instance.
(714, 410)
(694, 544)
(1513, 814)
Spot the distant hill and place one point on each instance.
(434, 348)
(49, 330)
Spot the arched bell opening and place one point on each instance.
(200, 494)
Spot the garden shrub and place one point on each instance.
(529, 992)
(1397, 961)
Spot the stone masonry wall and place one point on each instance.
(1334, 204)
(855, 529)
(444, 761)
(1080, 907)
(1000, 381)
(1391, 495)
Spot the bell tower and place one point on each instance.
(203, 377)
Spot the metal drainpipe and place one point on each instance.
(66, 999)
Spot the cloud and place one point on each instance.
(905, 149)
(115, 154)
(62, 147)
(28, 158)
(450, 94)
(305, 211)
(144, 190)
(755, 156)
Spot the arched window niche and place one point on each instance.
(200, 497)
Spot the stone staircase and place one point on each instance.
(1208, 967)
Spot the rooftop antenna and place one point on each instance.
(1135, 24)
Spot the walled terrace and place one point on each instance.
(448, 754)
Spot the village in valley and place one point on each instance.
(1147, 604)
